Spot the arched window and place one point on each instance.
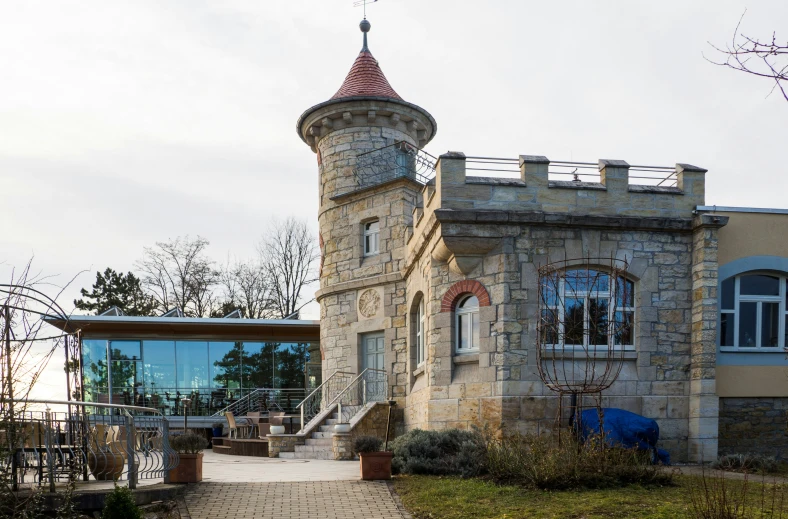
(371, 238)
(468, 325)
(753, 311)
(586, 308)
(420, 328)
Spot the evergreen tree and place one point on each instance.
(116, 289)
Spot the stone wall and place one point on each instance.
(283, 443)
(754, 425)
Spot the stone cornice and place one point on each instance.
(381, 279)
(563, 219)
(712, 221)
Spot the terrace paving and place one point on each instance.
(241, 487)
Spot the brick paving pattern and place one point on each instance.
(293, 500)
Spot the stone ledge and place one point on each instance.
(371, 281)
(418, 371)
(466, 358)
(562, 219)
(572, 184)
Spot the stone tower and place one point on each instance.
(362, 293)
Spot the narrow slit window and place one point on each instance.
(371, 238)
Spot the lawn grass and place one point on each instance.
(430, 497)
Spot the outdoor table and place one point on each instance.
(289, 419)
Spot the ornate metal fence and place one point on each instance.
(127, 444)
(394, 161)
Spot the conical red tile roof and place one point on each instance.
(366, 79)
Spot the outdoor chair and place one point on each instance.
(263, 430)
(254, 421)
(234, 426)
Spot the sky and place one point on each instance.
(127, 123)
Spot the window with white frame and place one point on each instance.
(753, 312)
(468, 325)
(371, 238)
(587, 308)
(420, 320)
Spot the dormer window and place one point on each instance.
(371, 238)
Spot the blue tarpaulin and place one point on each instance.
(624, 429)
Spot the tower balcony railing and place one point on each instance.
(398, 160)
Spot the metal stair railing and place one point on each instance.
(323, 395)
(263, 399)
(370, 386)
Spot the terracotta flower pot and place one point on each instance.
(106, 465)
(376, 465)
(189, 469)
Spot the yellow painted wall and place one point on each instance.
(752, 381)
(753, 234)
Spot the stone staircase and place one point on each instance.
(319, 445)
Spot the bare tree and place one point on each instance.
(179, 274)
(762, 58)
(288, 255)
(247, 289)
(25, 350)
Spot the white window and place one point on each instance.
(753, 312)
(468, 325)
(371, 238)
(587, 308)
(420, 319)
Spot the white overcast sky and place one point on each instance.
(126, 123)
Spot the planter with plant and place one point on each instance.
(217, 428)
(189, 447)
(375, 464)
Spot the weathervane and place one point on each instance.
(363, 3)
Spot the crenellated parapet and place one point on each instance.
(616, 192)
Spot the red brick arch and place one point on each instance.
(469, 286)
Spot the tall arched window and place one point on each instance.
(420, 319)
(586, 307)
(753, 312)
(468, 325)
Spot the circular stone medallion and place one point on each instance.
(369, 303)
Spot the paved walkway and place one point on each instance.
(222, 468)
(241, 487)
(308, 500)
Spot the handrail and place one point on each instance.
(353, 381)
(321, 386)
(90, 404)
(364, 395)
(314, 395)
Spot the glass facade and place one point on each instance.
(211, 374)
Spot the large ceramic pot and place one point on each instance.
(106, 465)
(277, 429)
(189, 469)
(376, 465)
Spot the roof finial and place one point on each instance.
(365, 26)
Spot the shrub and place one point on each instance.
(713, 496)
(545, 463)
(364, 444)
(449, 452)
(188, 443)
(747, 463)
(120, 505)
